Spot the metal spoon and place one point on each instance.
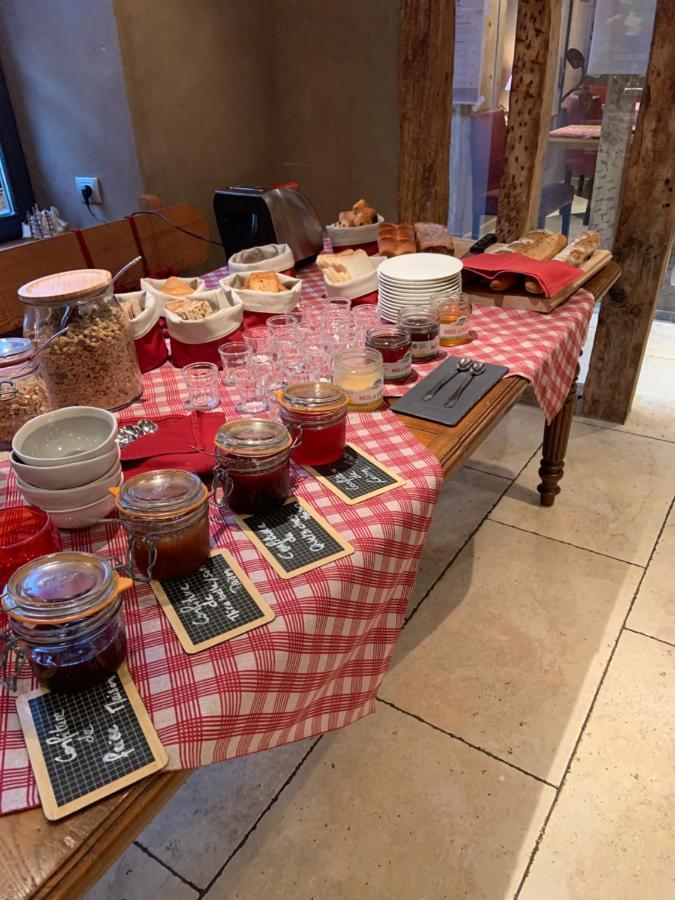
(126, 268)
(477, 368)
(462, 366)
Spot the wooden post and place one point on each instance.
(535, 64)
(643, 240)
(427, 44)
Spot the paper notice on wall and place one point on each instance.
(622, 34)
(469, 15)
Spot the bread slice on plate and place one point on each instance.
(342, 267)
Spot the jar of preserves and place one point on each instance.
(318, 410)
(65, 618)
(23, 392)
(423, 322)
(360, 373)
(94, 362)
(394, 343)
(253, 465)
(455, 316)
(165, 513)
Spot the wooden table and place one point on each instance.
(64, 859)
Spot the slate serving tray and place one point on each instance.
(433, 410)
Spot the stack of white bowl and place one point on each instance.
(415, 278)
(65, 461)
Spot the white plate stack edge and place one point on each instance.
(415, 278)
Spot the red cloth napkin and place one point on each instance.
(169, 446)
(552, 275)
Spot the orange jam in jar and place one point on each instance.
(455, 315)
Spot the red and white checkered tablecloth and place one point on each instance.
(544, 349)
(316, 667)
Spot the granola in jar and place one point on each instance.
(23, 392)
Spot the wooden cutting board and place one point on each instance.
(518, 298)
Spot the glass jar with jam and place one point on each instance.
(455, 317)
(394, 343)
(23, 391)
(165, 513)
(423, 322)
(253, 465)
(65, 618)
(319, 410)
(360, 373)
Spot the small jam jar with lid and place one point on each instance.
(253, 465)
(394, 343)
(165, 513)
(455, 315)
(360, 373)
(65, 617)
(423, 322)
(23, 391)
(319, 410)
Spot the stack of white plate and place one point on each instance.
(415, 278)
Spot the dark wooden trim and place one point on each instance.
(534, 70)
(427, 46)
(643, 238)
(556, 438)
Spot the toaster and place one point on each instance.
(249, 216)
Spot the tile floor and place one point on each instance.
(524, 740)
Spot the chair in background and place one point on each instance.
(488, 144)
(586, 108)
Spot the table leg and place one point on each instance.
(556, 436)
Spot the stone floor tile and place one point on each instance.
(509, 648)
(615, 494)
(390, 808)
(654, 608)
(506, 449)
(206, 819)
(464, 502)
(135, 876)
(611, 832)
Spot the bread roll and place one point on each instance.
(263, 281)
(176, 287)
(539, 244)
(576, 253)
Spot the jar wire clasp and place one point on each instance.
(10, 647)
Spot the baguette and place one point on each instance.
(539, 244)
(575, 254)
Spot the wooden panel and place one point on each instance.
(112, 246)
(165, 246)
(643, 238)
(32, 260)
(534, 68)
(427, 42)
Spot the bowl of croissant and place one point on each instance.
(356, 228)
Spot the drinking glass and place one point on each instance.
(251, 384)
(25, 533)
(233, 355)
(365, 317)
(339, 303)
(260, 338)
(201, 379)
(283, 327)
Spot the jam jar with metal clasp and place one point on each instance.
(253, 464)
(319, 410)
(165, 513)
(65, 618)
(23, 391)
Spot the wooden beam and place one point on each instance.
(535, 64)
(643, 239)
(427, 43)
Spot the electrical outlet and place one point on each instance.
(94, 184)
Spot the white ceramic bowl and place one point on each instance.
(69, 498)
(84, 516)
(65, 435)
(68, 475)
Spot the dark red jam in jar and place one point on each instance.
(424, 324)
(65, 614)
(253, 465)
(318, 411)
(394, 343)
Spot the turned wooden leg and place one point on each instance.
(556, 436)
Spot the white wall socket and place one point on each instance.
(94, 184)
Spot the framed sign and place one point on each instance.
(356, 476)
(622, 36)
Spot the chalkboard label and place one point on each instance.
(294, 538)
(215, 603)
(356, 476)
(87, 745)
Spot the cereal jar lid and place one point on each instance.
(78, 284)
(313, 397)
(15, 351)
(161, 492)
(253, 437)
(61, 587)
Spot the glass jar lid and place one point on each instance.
(66, 287)
(358, 359)
(388, 336)
(313, 397)
(420, 314)
(61, 587)
(161, 493)
(15, 351)
(253, 437)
